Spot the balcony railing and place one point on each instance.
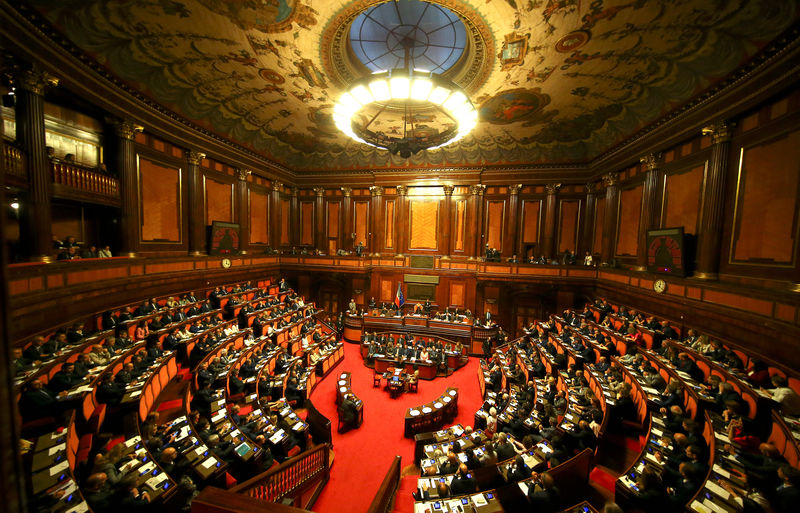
(84, 179)
(14, 160)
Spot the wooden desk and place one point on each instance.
(431, 416)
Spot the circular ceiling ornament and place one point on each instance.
(470, 70)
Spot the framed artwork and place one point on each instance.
(223, 239)
(514, 49)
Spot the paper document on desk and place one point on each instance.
(210, 462)
(61, 467)
(524, 488)
(83, 507)
(479, 500)
(698, 507)
(56, 449)
(718, 490)
(721, 471)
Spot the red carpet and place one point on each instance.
(170, 405)
(603, 478)
(363, 455)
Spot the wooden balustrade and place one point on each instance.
(14, 160)
(294, 479)
(383, 498)
(84, 179)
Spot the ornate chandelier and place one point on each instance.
(405, 111)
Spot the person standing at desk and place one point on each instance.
(348, 413)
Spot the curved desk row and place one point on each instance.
(431, 416)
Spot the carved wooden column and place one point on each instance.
(275, 214)
(447, 222)
(128, 187)
(345, 235)
(611, 181)
(197, 201)
(320, 238)
(476, 197)
(648, 219)
(37, 222)
(294, 217)
(510, 246)
(710, 236)
(587, 234)
(243, 210)
(549, 236)
(375, 217)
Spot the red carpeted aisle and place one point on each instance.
(363, 455)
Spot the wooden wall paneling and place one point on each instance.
(599, 222)
(346, 239)
(424, 223)
(446, 228)
(610, 216)
(375, 231)
(512, 221)
(403, 225)
(320, 215)
(456, 294)
(495, 220)
(568, 225)
(459, 228)
(258, 206)
(333, 208)
(531, 221)
(286, 224)
(766, 203)
(588, 218)
(549, 245)
(630, 207)
(387, 290)
(160, 201)
(683, 198)
(389, 224)
(307, 223)
(219, 200)
(361, 221)
(242, 208)
(294, 217)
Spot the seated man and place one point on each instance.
(348, 413)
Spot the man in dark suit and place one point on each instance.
(35, 351)
(546, 500)
(504, 448)
(348, 413)
(109, 392)
(64, 379)
(462, 483)
(36, 402)
(787, 496)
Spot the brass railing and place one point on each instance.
(84, 179)
(291, 478)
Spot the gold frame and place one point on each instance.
(513, 39)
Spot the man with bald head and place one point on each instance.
(462, 483)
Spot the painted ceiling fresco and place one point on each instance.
(566, 79)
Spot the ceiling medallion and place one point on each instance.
(401, 107)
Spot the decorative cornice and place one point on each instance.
(347, 191)
(552, 188)
(376, 190)
(651, 161)
(610, 179)
(402, 190)
(36, 81)
(720, 132)
(477, 189)
(242, 174)
(448, 189)
(127, 129)
(514, 189)
(194, 158)
(319, 191)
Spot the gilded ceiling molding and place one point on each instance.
(402, 190)
(376, 190)
(720, 132)
(295, 192)
(591, 188)
(242, 174)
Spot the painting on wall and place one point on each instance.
(223, 239)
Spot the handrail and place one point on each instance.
(85, 179)
(291, 478)
(15, 160)
(217, 500)
(384, 497)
